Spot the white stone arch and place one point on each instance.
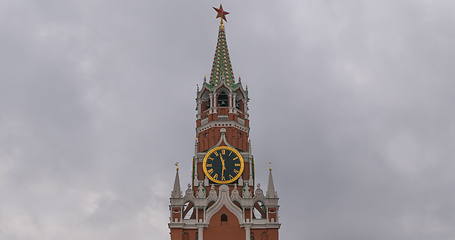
(224, 200)
(210, 204)
(237, 203)
(203, 90)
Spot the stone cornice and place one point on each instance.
(222, 123)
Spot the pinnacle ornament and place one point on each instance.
(220, 13)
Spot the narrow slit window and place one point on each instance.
(224, 218)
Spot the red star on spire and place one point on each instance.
(221, 13)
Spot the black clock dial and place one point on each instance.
(223, 164)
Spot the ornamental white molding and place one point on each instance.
(221, 123)
(224, 200)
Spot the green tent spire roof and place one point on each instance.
(222, 68)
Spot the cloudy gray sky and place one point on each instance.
(352, 101)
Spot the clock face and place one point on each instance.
(223, 165)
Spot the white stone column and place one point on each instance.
(211, 100)
(250, 160)
(215, 102)
(200, 233)
(212, 105)
(247, 233)
(231, 102)
(199, 108)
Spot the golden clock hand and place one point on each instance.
(222, 161)
(223, 166)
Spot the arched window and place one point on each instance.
(223, 99)
(239, 105)
(239, 101)
(205, 102)
(224, 218)
(188, 211)
(259, 210)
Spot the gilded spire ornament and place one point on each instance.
(221, 68)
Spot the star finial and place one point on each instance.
(220, 13)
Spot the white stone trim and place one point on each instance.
(200, 233)
(224, 200)
(219, 123)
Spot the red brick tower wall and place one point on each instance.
(230, 230)
(264, 234)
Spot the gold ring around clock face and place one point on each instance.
(223, 164)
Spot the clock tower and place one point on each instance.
(223, 200)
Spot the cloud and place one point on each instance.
(350, 100)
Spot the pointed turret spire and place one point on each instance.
(221, 68)
(176, 192)
(271, 193)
